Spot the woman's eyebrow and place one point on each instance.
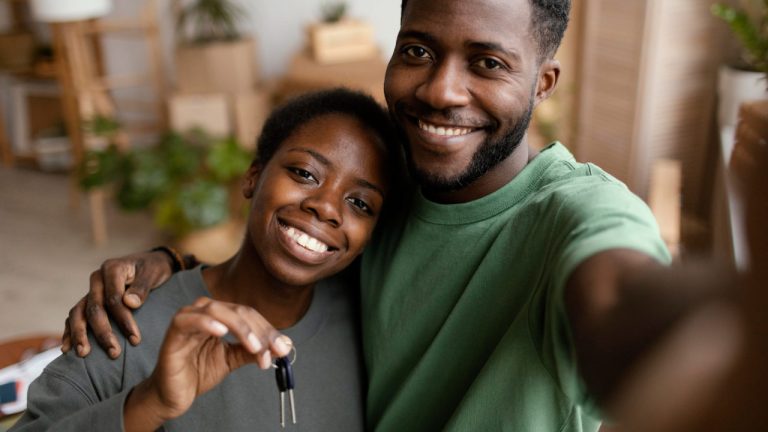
(368, 185)
(319, 157)
(325, 161)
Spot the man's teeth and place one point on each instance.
(306, 241)
(443, 131)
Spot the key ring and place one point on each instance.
(293, 360)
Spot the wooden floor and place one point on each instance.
(46, 253)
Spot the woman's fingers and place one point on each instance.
(246, 325)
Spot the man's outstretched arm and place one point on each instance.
(620, 303)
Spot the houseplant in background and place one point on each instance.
(212, 55)
(189, 183)
(747, 80)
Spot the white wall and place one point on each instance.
(277, 25)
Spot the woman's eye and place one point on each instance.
(416, 51)
(360, 204)
(302, 173)
(489, 63)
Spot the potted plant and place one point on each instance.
(747, 80)
(212, 55)
(188, 181)
(338, 39)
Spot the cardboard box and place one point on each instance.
(304, 74)
(210, 112)
(225, 67)
(250, 111)
(343, 41)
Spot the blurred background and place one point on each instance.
(126, 124)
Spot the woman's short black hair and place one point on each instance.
(287, 119)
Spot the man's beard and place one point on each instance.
(486, 157)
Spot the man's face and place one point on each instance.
(461, 85)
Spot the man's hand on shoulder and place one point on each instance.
(118, 287)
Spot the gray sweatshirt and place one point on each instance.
(75, 394)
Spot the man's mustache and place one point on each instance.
(447, 116)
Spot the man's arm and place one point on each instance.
(620, 303)
(119, 286)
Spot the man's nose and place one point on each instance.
(445, 86)
(325, 203)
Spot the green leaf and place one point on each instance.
(227, 161)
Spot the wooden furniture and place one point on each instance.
(87, 89)
(647, 90)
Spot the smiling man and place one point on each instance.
(466, 295)
(506, 267)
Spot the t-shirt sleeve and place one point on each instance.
(64, 399)
(596, 219)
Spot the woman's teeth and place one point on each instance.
(443, 131)
(306, 241)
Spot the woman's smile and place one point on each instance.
(303, 246)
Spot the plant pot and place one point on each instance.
(227, 67)
(736, 87)
(215, 244)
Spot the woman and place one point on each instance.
(317, 188)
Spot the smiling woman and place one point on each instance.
(317, 188)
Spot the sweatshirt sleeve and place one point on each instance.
(75, 394)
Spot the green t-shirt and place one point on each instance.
(463, 318)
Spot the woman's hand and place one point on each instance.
(194, 358)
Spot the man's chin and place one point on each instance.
(432, 182)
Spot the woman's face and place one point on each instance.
(315, 203)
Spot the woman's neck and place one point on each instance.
(243, 280)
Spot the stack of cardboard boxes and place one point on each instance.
(343, 53)
(218, 90)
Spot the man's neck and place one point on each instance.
(491, 181)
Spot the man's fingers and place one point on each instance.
(98, 320)
(115, 274)
(77, 328)
(138, 290)
(65, 339)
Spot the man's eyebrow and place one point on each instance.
(493, 46)
(320, 158)
(414, 34)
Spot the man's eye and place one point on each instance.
(302, 173)
(360, 204)
(489, 63)
(416, 51)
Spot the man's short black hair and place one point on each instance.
(549, 19)
(286, 119)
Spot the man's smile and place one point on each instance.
(444, 131)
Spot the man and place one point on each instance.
(507, 267)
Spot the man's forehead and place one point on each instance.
(502, 18)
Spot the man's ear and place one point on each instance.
(251, 179)
(549, 74)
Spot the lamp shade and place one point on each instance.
(69, 10)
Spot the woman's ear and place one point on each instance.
(250, 180)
